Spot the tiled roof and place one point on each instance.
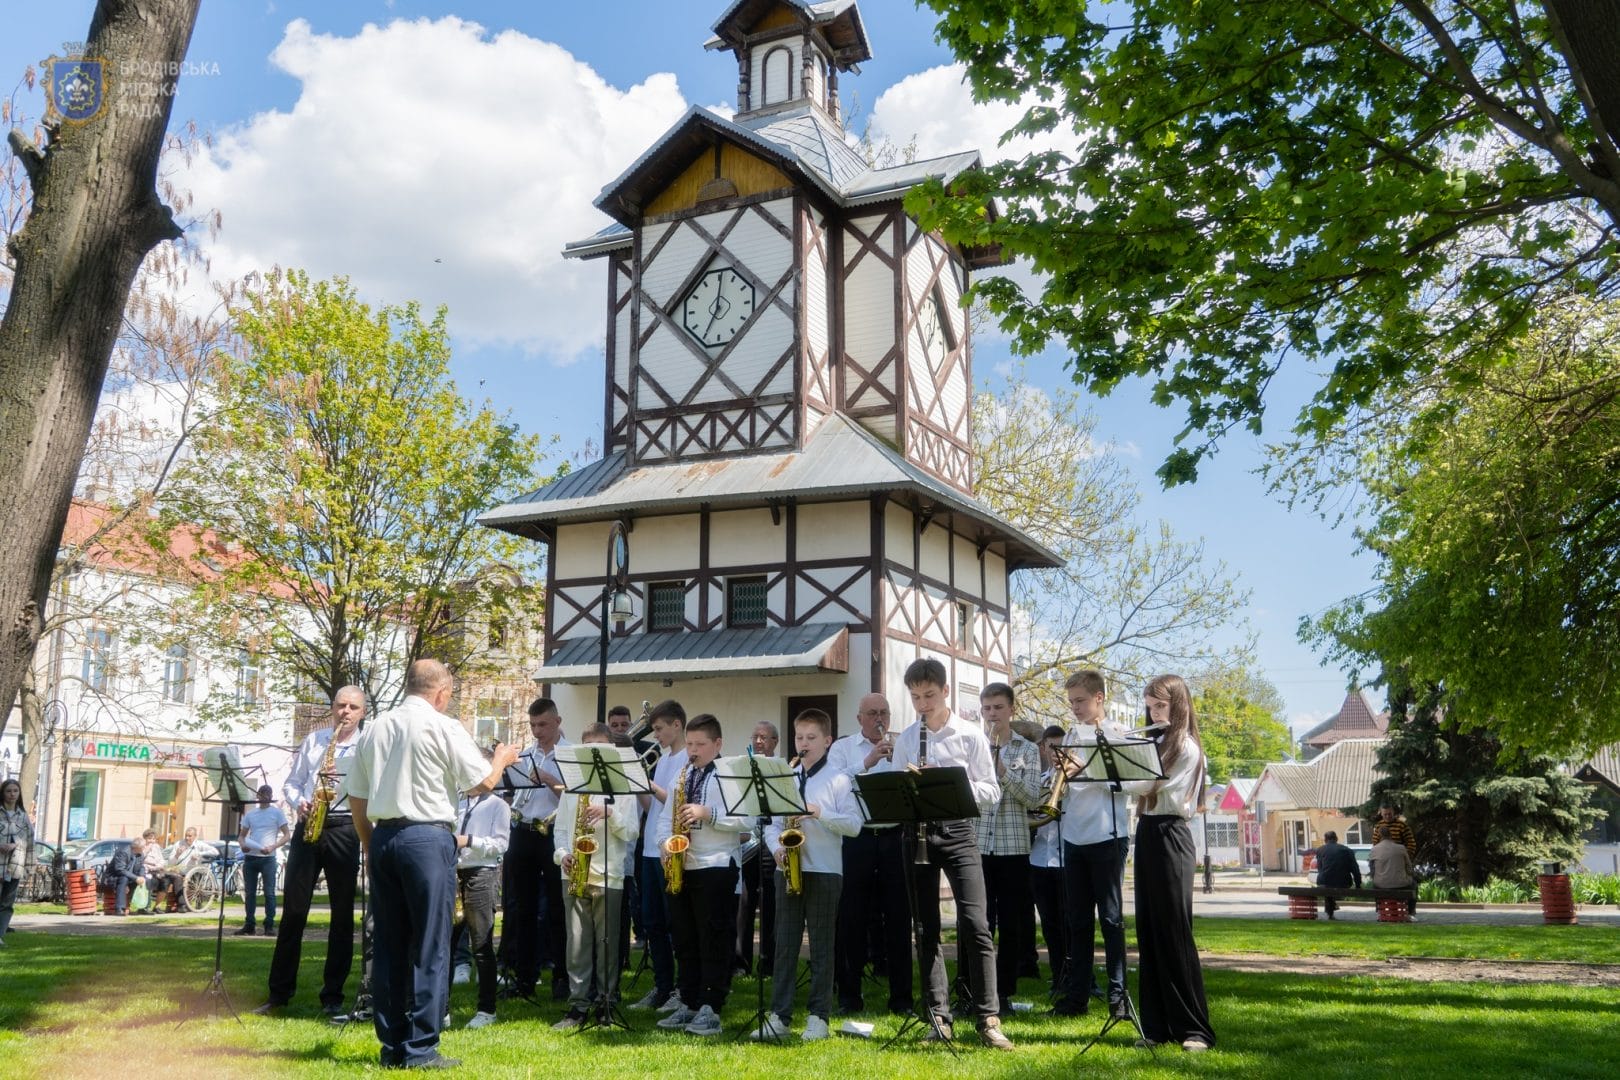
(1356, 719)
(777, 650)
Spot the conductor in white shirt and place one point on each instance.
(402, 785)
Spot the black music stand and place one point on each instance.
(917, 797)
(361, 1009)
(1113, 762)
(601, 769)
(223, 780)
(751, 791)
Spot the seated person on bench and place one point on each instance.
(1336, 868)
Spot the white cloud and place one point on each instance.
(935, 109)
(430, 160)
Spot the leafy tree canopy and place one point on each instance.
(1374, 186)
(1240, 722)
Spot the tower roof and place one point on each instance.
(838, 20)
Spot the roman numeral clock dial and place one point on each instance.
(719, 304)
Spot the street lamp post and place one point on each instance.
(56, 717)
(616, 605)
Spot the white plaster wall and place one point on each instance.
(745, 537)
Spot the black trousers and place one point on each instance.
(701, 920)
(534, 925)
(478, 928)
(1047, 885)
(1010, 908)
(762, 898)
(953, 848)
(1172, 1005)
(337, 855)
(874, 887)
(1093, 877)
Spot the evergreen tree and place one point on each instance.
(1478, 811)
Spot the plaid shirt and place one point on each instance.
(1004, 828)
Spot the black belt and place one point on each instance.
(474, 871)
(339, 819)
(401, 822)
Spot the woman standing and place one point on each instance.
(1173, 1007)
(16, 837)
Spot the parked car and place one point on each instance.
(96, 854)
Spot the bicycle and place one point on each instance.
(45, 884)
(202, 884)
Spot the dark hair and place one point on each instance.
(668, 709)
(998, 689)
(705, 724)
(814, 716)
(1053, 732)
(1331, 837)
(924, 671)
(9, 782)
(619, 710)
(542, 705)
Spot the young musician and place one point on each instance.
(1004, 838)
(940, 738)
(1173, 1007)
(483, 832)
(833, 815)
(1096, 837)
(669, 728)
(594, 917)
(702, 915)
(1046, 868)
(532, 929)
(874, 874)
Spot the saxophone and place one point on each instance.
(325, 791)
(674, 847)
(1052, 805)
(792, 841)
(579, 878)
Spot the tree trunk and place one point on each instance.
(96, 214)
(33, 736)
(1467, 850)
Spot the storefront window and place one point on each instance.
(84, 797)
(166, 815)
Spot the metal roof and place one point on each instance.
(1340, 777)
(812, 142)
(841, 460)
(775, 650)
(1603, 768)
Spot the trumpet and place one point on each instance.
(792, 841)
(579, 877)
(673, 849)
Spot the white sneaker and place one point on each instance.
(772, 1027)
(706, 1022)
(815, 1028)
(677, 1019)
(463, 975)
(481, 1019)
(446, 1019)
(650, 1001)
(673, 1003)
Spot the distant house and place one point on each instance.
(1295, 803)
(1238, 801)
(1356, 719)
(1217, 829)
(1602, 855)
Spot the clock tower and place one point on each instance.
(786, 417)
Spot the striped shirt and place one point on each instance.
(1004, 828)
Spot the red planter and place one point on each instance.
(1392, 911)
(1302, 907)
(81, 892)
(1557, 902)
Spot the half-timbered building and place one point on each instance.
(787, 426)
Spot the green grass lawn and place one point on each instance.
(1301, 937)
(98, 1006)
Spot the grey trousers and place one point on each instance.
(817, 908)
(588, 917)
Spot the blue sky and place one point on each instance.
(443, 151)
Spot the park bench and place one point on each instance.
(1394, 905)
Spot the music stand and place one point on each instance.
(601, 769)
(361, 1009)
(760, 788)
(1117, 761)
(223, 779)
(917, 797)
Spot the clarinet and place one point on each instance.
(921, 858)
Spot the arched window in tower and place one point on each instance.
(777, 84)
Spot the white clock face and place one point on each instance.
(717, 307)
(933, 329)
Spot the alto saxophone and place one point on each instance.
(1052, 805)
(325, 790)
(674, 847)
(579, 878)
(792, 841)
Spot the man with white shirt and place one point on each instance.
(335, 853)
(939, 738)
(874, 872)
(402, 785)
(534, 927)
(1096, 838)
(668, 721)
(484, 832)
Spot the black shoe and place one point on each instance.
(246, 931)
(522, 993)
(269, 931)
(331, 1009)
(1065, 1007)
(850, 1008)
(269, 1008)
(1119, 1010)
(437, 1061)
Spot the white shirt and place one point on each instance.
(823, 848)
(1092, 812)
(848, 756)
(1179, 790)
(411, 762)
(658, 823)
(622, 830)
(262, 824)
(957, 743)
(712, 843)
(535, 803)
(1044, 849)
(302, 781)
(487, 824)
